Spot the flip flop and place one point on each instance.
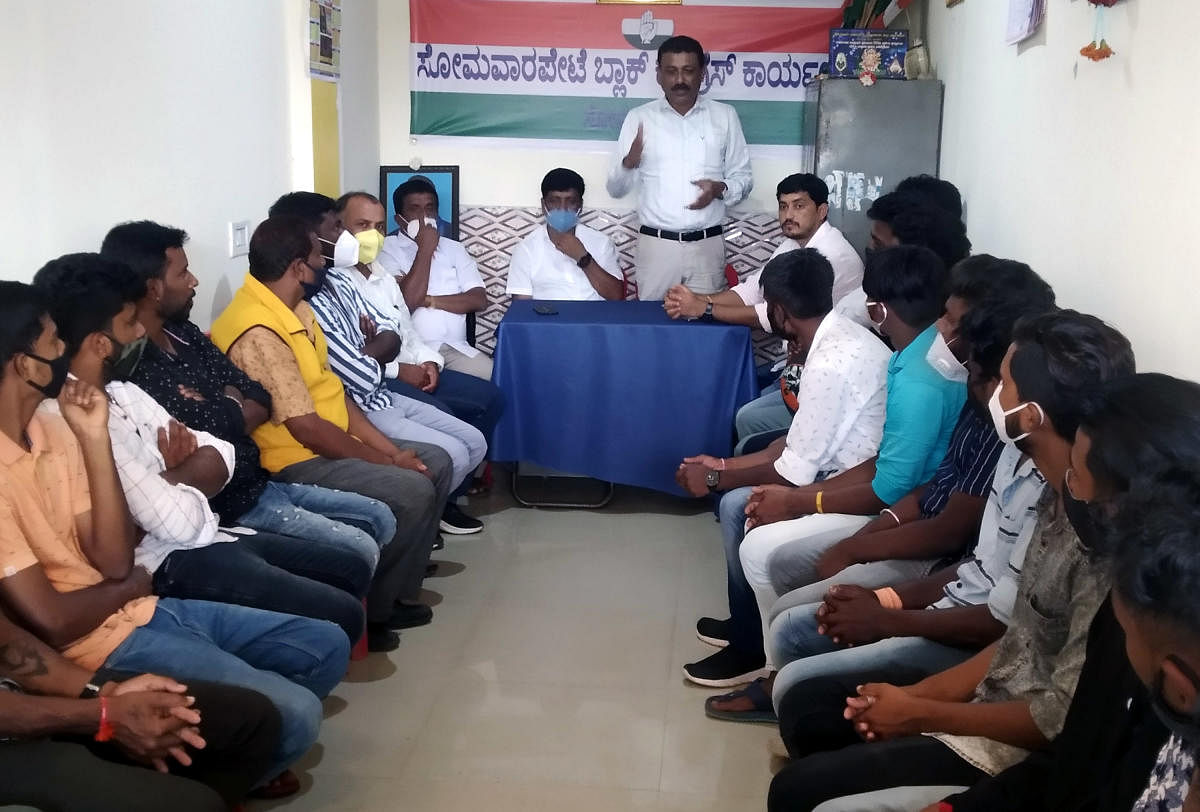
(763, 713)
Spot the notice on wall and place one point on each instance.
(571, 71)
(1024, 19)
(324, 39)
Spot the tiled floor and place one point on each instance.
(550, 677)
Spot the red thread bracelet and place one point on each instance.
(106, 730)
(945, 806)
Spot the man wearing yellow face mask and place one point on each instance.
(418, 370)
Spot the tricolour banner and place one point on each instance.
(571, 70)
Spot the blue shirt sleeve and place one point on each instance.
(911, 433)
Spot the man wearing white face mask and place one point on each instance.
(440, 280)
(566, 260)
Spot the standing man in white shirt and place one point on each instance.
(688, 158)
(439, 279)
(566, 260)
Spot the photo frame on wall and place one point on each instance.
(443, 178)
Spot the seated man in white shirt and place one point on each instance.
(838, 424)
(566, 259)
(439, 279)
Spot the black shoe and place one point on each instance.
(431, 569)
(409, 615)
(712, 631)
(438, 542)
(381, 638)
(457, 523)
(728, 667)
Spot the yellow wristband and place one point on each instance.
(820, 509)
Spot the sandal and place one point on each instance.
(481, 484)
(762, 713)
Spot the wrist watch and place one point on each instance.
(708, 309)
(712, 478)
(584, 261)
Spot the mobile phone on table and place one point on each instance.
(545, 310)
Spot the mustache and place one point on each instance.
(682, 86)
(791, 223)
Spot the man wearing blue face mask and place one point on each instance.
(566, 259)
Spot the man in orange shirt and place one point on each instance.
(66, 551)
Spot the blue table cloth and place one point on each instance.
(617, 390)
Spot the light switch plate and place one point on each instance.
(239, 238)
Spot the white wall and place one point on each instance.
(360, 96)
(1085, 170)
(511, 175)
(192, 114)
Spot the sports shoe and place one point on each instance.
(728, 667)
(457, 523)
(712, 631)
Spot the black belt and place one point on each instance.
(687, 236)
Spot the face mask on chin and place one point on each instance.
(941, 358)
(312, 288)
(125, 358)
(59, 367)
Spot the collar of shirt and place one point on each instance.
(699, 107)
(265, 296)
(915, 350)
(827, 326)
(11, 453)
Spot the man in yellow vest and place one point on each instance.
(316, 433)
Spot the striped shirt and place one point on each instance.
(338, 307)
(992, 573)
(968, 464)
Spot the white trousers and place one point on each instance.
(699, 265)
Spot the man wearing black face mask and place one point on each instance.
(168, 472)
(839, 418)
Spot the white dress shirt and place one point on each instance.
(829, 241)
(706, 143)
(540, 270)
(451, 271)
(382, 291)
(175, 517)
(841, 403)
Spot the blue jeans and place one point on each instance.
(473, 400)
(293, 661)
(265, 571)
(745, 624)
(802, 654)
(765, 413)
(313, 513)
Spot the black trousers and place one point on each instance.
(910, 761)
(240, 727)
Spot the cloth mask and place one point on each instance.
(125, 359)
(312, 288)
(369, 244)
(999, 414)
(1185, 726)
(59, 367)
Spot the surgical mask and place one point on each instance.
(414, 226)
(562, 219)
(1185, 726)
(942, 359)
(878, 324)
(312, 288)
(345, 250)
(999, 416)
(59, 367)
(369, 244)
(125, 359)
